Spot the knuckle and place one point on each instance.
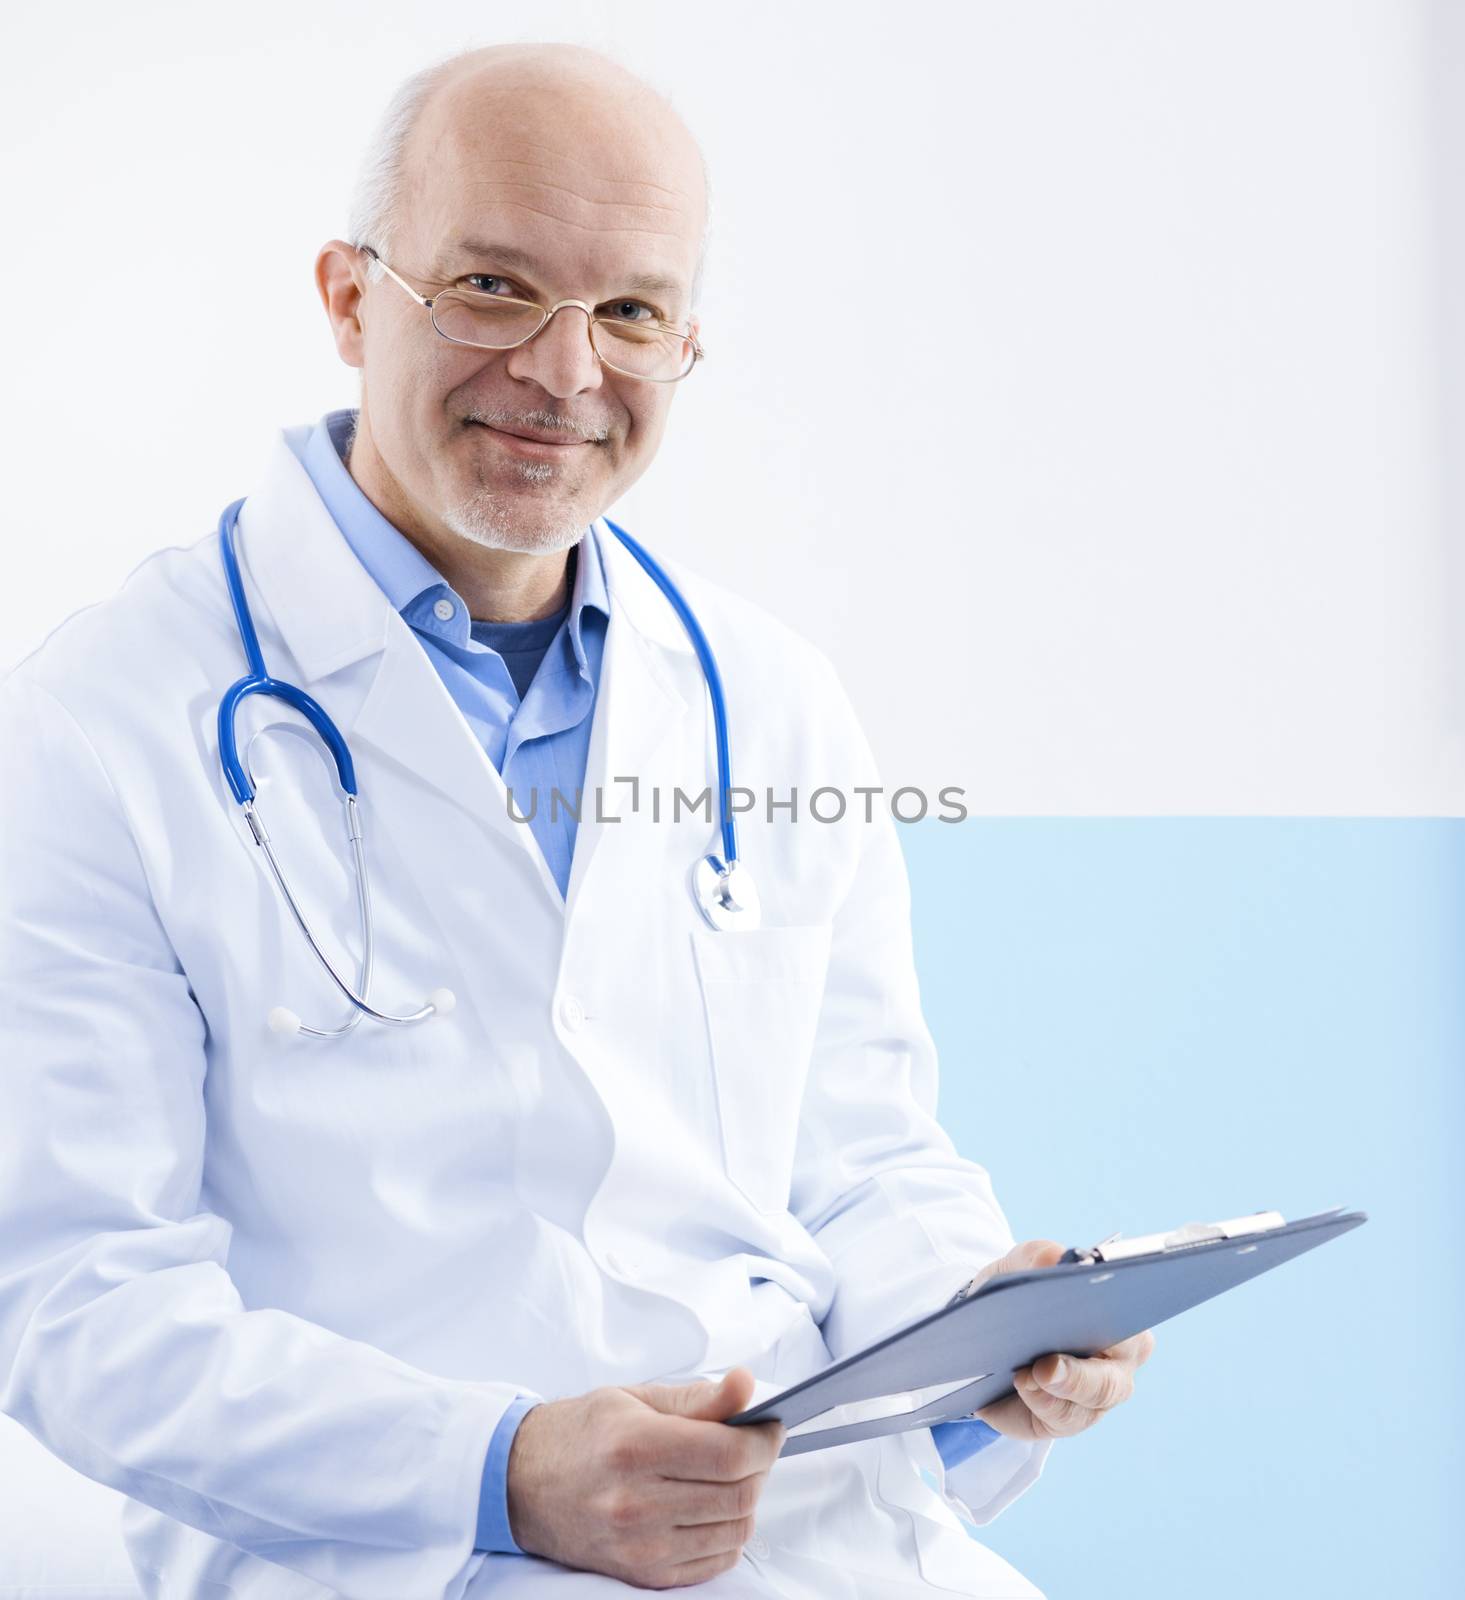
(623, 1453)
(1068, 1416)
(622, 1509)
(1117, 1387)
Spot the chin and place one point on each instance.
(497, 526)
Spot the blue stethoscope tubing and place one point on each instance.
(721, 887)
(714, 686)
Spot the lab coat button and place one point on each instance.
(758, 1546)
(614, 1262)
(572, 1013)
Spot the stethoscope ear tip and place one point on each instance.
(282, 1020)
(442, 1001)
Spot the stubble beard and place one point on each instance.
(501, 522)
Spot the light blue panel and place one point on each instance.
(1148, 1021)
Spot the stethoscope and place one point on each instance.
(722, 887)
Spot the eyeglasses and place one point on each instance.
(646, 349)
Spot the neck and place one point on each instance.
(496, 585)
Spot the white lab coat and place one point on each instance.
(279, 1292)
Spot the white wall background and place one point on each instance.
(1145, 518)
(1149, 517)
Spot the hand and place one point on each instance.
(1062, 1395)
(642, 1483)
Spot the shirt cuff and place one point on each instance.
(493, 1501)
(957, 1441)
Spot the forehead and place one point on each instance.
(589, 187)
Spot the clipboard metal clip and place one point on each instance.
(1118, 1248)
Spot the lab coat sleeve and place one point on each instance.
(124, 1345)
(901, 1216)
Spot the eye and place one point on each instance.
(489, 278)
(626, 311)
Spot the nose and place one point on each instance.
(560, 357)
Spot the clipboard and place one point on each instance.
(1090, 1300)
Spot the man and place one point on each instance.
(457, 1308)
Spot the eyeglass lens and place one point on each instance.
(495, 323)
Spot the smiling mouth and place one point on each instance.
(531, 441)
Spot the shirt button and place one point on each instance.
(572, 1013)
(443, 610)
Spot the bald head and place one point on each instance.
(497, 121)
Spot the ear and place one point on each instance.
(340, 277)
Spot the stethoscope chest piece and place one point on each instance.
(727, 897)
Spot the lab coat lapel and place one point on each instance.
(648, 681)
(411, 721)
(356, 655)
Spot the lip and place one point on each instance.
(533, 445)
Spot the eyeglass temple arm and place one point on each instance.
(421, 299)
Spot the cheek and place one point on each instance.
(422, 389)
(648, 415)
(411, 364)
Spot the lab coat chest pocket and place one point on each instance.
(761, 991)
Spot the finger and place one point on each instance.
(1052, 1416)
(712, 1452)
(1011, 1416)
(686, 1502)
(1135, 1351)
(1094, 1383)
(711, 1538)
(1023, 1257)
(699, 1571)
(709, 1399)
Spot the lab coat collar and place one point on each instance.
(330, 611)
(331, 616)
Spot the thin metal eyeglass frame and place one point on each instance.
(427, 302)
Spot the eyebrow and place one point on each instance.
(507, 255)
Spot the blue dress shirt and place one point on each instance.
(527, 690)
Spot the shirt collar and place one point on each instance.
(407, 578)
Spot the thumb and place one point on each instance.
(1022, 1258)
(709, 1400)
